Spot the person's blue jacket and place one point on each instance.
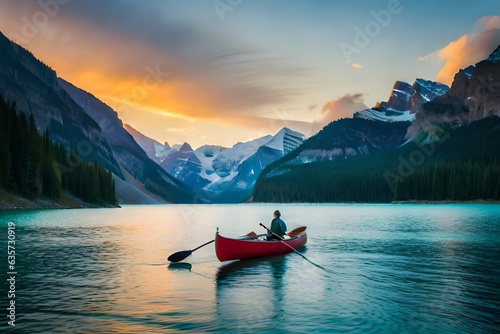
(278, 226)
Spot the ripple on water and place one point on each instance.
(428, 269)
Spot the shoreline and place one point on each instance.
(477, 201)
(10, 201)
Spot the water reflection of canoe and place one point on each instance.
(235, 270)
(243, 248)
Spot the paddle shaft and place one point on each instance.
(206, 243)
(296, 251)
(179, 256)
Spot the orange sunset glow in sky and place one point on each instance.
(189, 71)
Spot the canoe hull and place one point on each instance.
(237, 249)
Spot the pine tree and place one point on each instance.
(32, 165)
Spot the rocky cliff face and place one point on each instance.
(425, 91)
(483, 94)
(405, 97)
(461, 82)
(474, 95)
(404, 101)
(400, 96)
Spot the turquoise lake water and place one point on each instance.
(387, 269)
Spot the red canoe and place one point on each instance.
(243, 248)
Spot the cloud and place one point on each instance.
(429, 56)
(357, 66)
(343, 107)
(105, 47)
(179, 130)
(489, 22)
(468, 49)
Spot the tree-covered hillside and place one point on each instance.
(32, 166)
(465, 165)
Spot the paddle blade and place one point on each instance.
(297, 231)
(179, 256)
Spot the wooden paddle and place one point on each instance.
(179, 256)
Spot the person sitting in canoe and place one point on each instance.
(278, 227)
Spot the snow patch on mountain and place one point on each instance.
(207, 154)
(228, 160)
(429, 90)
(388, 115)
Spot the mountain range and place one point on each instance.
(370, 156)
(84, 124)
(352, 159)
(223, 175)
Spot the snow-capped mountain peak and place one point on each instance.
(428, 90)
(405, 101)
(226, 174)
(286, 140)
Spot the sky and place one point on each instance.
(227, 71)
